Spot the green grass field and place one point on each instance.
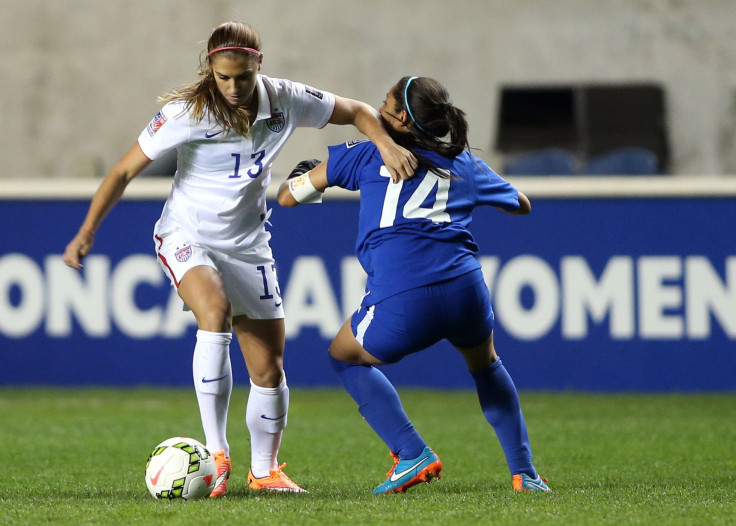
(78, 456)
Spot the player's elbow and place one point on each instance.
(285, 198)
(524, 209)
(525, 206)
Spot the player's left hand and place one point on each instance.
(303, 167)
(399, 161)
(78, 248)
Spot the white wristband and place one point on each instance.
(303, 190)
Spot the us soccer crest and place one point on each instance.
(183, 254)
(276, 122)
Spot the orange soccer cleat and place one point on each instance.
(223, 473)
(277, 481)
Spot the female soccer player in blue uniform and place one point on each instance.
(424, 281)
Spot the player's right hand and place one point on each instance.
(78, 248)
(303, 167)
(399, 161)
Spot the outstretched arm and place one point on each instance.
(107, 195)
(400, 162)
(310, 174)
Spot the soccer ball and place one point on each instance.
(180, 468)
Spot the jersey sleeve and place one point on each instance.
(344, 163)
(168, 129)
(491, 189)
(313, 108)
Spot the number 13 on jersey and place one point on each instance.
(413, 209)
(255, 170)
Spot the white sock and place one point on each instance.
(265, 416)
(213, 382)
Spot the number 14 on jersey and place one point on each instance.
(413, 209)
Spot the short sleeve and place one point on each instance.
(168, 129)
(491, 189)
(311, 107)
(344, 162)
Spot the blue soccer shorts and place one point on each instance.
(458, 310)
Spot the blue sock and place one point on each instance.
(500, 404)
(381, 407)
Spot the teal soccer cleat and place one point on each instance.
(406, 473)
(523, 482)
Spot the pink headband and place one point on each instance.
(248, 49)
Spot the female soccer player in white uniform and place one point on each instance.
(424, 281)
(211, 239)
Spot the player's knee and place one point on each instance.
(267, 377)
(338, 365)
(345, 348)
(342, 355)
(215, 316)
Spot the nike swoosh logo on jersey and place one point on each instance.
(277, 418)
(277, 304)
(210, 135)
(208, 380)
(396, 476)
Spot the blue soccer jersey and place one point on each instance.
(415, 232)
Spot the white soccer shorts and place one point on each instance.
(249, 277)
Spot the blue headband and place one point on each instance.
(406, 103)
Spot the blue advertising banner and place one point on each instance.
(595, 294)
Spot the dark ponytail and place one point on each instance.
(436, 124)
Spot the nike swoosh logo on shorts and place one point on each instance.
(396, 476)
(208, 380)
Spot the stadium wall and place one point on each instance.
(82, 76)
(609, 285)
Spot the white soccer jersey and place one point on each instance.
(218, 195)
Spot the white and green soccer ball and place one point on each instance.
(180, 468)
